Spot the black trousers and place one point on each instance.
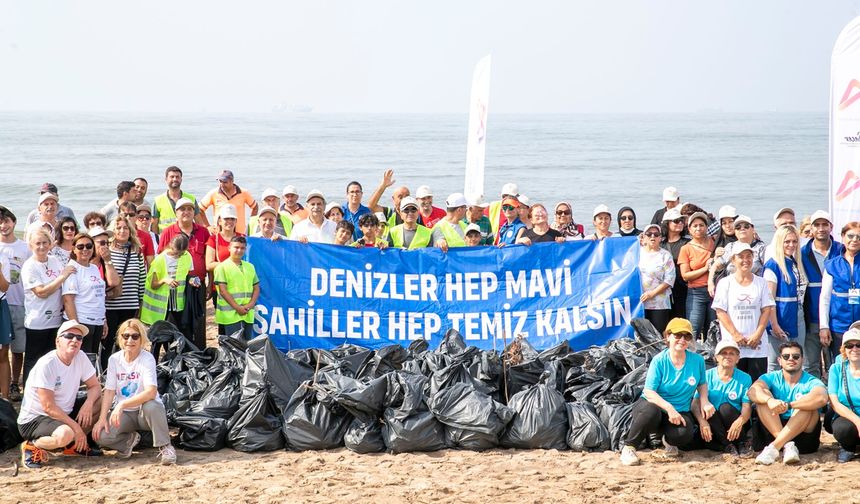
(659, 318)
(846, 434)
(39, 343)
(115, 318)
(648, 418)
(755, 367)
(720, 423)
(93, 339)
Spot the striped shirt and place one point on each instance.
(132, 282)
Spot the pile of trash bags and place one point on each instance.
(251, 397)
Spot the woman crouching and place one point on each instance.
(674, 375)
(131, 389)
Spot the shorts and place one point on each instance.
(19, 334)
(43, 425)
(5, 323)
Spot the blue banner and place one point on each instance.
(321, 296)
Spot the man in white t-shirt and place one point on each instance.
(316, 228)
(17, 252)
(50, 417)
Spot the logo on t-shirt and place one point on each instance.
(58, 383)
(733, 395)
(691, 381)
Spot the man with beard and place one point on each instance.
(164, 208)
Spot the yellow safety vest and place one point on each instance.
(154, 306)
(253, 226)
(450, 234)
(421, 239)
(495, 213)
(166, 212)
(240, 284)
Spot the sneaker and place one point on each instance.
(132, 442)
(844, 456)
(746, 450)
(767, 456)
(167, 454)
(89, 451)
(654, 441)
(790, 455)
(671, 451)
(32, 456)
(629, 457)
(730, 452)
(14, 393)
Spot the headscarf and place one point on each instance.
(571, 229)
(633, 232)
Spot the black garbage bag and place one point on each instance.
(201, 432)
(185, 387)
(452, 344)
(417, 347)
(255, 368)
(629, 387)
(408, 424)
(385, 360)
(313, 420)
(360, 398)
(486, 367)
(473, 420)
(587, 432)
(626, 354)
(364, 435)
(257, 425)
(524, 375)
(284, 373)
(167, 335)
(617, 417)
(540, 420)
(647, 338)
(221, 398)
(583, 386)
(351, 359)
(230, 354)
(453, 374)
(9, 435)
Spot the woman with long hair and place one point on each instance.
(64, 233)
(787, 282)
(657, 272)
(123, 302)
(694, 261)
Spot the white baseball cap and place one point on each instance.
(671, 194)
(98, 231)
(743, 218)
(599, 209)
(267, 209)
(73, 324)
(381, 217)
(331, 206)
(48, 195)
(852, 334)
(739, 247)
(780, 212)
(727, 211)
(268, 193)
(476, 201)
(671, 214)
(423, 192)
(455, 200)
(725, 343)
(181, 202)
(289, 190)
(820, 214)
(510, 189)
(472, 227)
(523, 199)
(228, 211)
(408, 201)
(313, 193)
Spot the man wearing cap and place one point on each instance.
(672, 199)
(494, 210)
(813, 253)
(353, 209)
(124, 192)
(282, 224)
(409, 235)
(391, 215)
(164, 206)
(51, 418)
(197, 236)
(47, 219)
(228, 192)
(62, 210)
(473, 236)
(512, 227)
(265, 224)
(728, 429)
(316, 228)
(787, 402)
(450, 231)
(428, 215)
(15, 252)
(475, 215)
(291, 206)
(783, 217)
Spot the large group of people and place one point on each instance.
(74, 288)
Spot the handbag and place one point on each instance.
(116, 291)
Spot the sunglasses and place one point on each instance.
(851, 346)
(82, 246)
(791, 356)
(683, 336)
(144, 216)
(563, 212)
(852, 237)
(742, 225)
(71, 336)
(508, 208)
(653, 234)
(626, 218)
(409, 210)
(135, 336)
(679, 220)
(69, 228)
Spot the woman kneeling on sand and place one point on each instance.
(131, 389)
(674, 375)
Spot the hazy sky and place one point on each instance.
(406, 56)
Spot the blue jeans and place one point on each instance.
(699, 311)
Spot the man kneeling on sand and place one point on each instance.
(50, 417)
(787, 401)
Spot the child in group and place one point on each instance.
(238, 290)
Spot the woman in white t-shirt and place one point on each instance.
(84, 291)
(657, 272)
(42, 276)
(743, 304)
(131, 402)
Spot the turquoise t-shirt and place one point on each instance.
(835, 385)
(781, 390)
(734, 392)
(675, 386)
